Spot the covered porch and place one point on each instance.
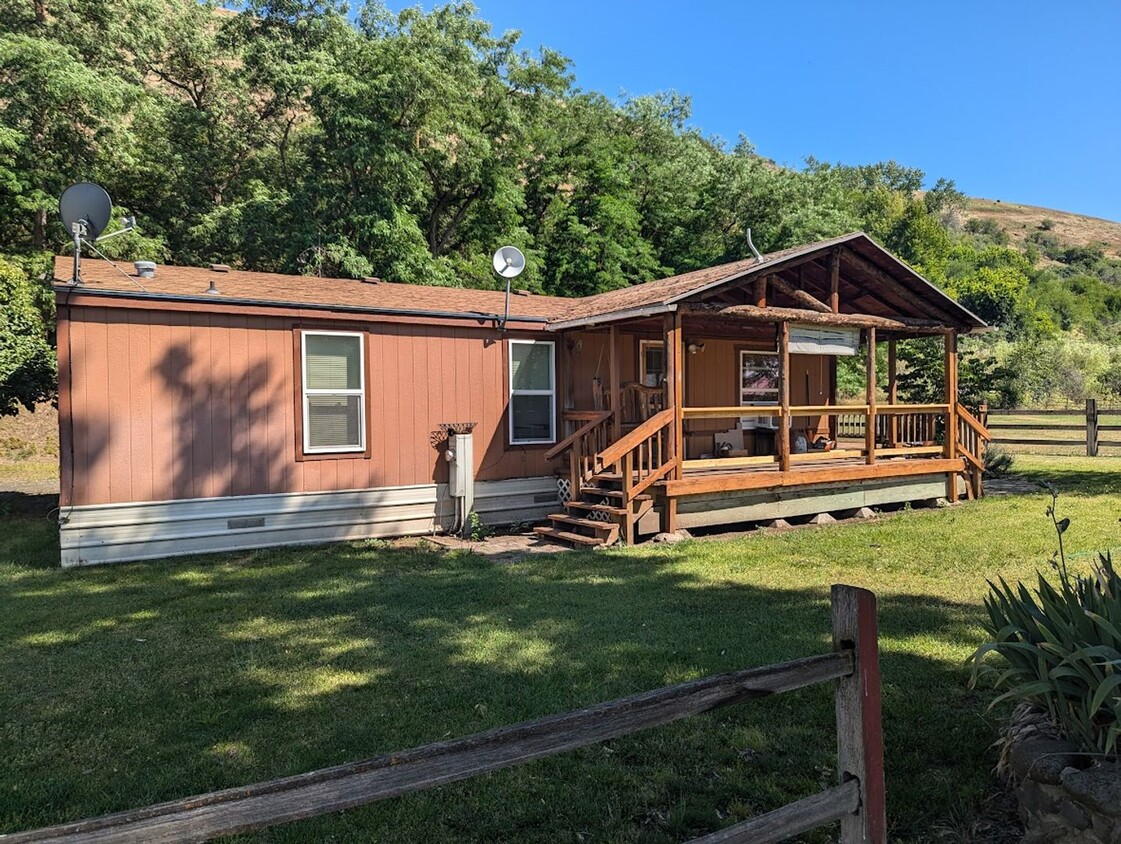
(721, 405)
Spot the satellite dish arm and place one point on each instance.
(506, 315)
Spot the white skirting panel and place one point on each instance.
(110, 533)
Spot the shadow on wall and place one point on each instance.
(228, 430)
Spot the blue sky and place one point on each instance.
(1017, 101)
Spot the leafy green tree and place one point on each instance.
(28, 372)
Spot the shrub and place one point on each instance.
(998, 460)
(1061, 647)
(477, 529)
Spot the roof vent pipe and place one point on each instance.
(145, 269)
(213, 289)
(751, 246)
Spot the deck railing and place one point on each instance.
(972, 438)
(857, 800)
(900, 430)
(637, 402)
(583, 445)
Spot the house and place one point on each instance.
(209, 409)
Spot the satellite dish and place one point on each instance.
(88, 204)
(509, 262)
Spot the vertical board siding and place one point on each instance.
(178, 405)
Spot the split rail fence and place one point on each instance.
(1010, 427)
(857, 801)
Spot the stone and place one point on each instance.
(864, 513)
(822, 519)
(1098, 787)
(1037, 799)
(1074, 814)
(776, 523)
(1042, 759)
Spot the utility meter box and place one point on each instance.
(462, 464)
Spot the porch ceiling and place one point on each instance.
(870, 282)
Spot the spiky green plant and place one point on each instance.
(1061, 646)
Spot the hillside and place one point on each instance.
(1021, 220)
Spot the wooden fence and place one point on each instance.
(857, 800)
(1009, 428)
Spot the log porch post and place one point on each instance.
(870, 399)
(951, 433)
(675, 399)
(784, 396)
(835, 281)
(613, 386)
(892, 390)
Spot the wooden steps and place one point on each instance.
(596, 508)
(570, 537)
(593, 491)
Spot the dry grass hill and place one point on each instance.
(1021, 220)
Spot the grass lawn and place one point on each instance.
(126, 685)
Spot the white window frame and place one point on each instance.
(643, 346)
(551, 393)
(360, 392)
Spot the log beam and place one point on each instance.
(800, 296)
(754, 313)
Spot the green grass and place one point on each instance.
(126, 685)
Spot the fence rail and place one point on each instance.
(858, 801)
(1091, 427)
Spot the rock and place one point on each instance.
(864, 513)
(822, 519)
(776, 523)
(670, 538)
(1098, 787)
(1074, 814)
(1042, 759)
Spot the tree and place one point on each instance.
(28, 373)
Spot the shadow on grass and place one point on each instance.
(132, 684)
(1075, 479)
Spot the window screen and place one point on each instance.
(532, 392)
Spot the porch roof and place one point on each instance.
(868, 268)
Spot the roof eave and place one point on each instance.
(612, 316)
(473, 316)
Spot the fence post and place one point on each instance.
(1091, 427)
(860, 741)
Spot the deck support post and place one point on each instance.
(951, 433)
(784, 427)
(870, 398)
(613, 387)
(893, 391)
(860, 738)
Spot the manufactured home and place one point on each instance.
(211, 409)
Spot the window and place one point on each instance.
(758, 386)
(533, 396)
(334, 384)
(653, 362)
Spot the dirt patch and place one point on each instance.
(1011, 485)
(506, 548)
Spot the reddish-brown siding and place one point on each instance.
(174, 405)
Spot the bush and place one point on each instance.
(998, 460)
(1061, 647)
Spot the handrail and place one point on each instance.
(810, 410)
(972, 421)
(629, 441)
(565, 444)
